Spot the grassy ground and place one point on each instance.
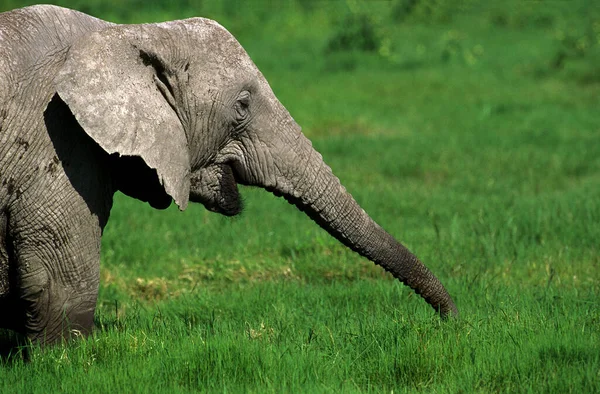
(471, 133)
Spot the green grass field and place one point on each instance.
(471, 133)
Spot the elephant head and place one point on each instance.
(185, 99)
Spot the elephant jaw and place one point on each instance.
(215, 187)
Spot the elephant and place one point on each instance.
(167, 112)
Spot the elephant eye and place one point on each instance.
(242, 103)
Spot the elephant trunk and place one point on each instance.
(303, 178)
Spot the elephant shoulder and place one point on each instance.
(31, 34)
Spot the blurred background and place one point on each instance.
(533, 38)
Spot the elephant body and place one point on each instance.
(51, 217)
(164, 112)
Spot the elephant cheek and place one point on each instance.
(230, 201)
(217, 190)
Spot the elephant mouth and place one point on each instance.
(216, 188)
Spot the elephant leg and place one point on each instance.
(56, 242)
(57, 286)
(4, 266)
(9, 313)
(51, 311)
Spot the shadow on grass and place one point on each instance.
(563, 355)
(14, 347)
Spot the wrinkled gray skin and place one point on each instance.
(170, 111)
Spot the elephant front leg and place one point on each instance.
(57, 249)
(57, 290)
(52, 311)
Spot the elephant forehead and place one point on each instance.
(209, 41)
(202, 28)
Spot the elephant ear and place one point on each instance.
(116, 84)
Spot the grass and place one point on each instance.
(474, 138)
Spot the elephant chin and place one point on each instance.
(215, 187)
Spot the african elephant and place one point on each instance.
(173, 111)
